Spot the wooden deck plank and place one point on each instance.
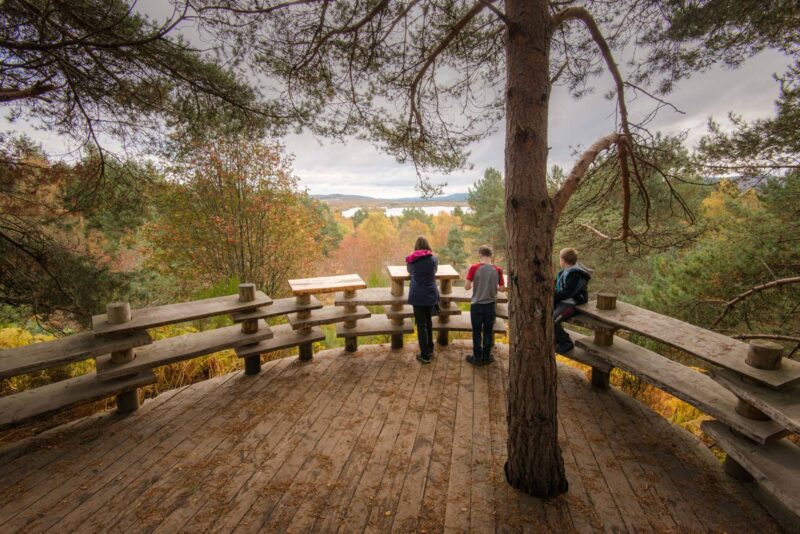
(407, 513)
(434, 498)
(361, 504)
(316, 502)
(592, 478)
(668, 497)
(458, 489)
(481, 491)
(400, 463)
(349, 478)
(298, 391)
(119, 452)
(77, 347)
(600, 443)
(148, 499)
(326, 284)
(183, 347)
(275, 475)
(699, 476)
(145, 318)
(783, 405)
(707, 345)
(58, 396)
(693, 387)
(316, 467)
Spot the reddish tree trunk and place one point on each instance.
(535, 464)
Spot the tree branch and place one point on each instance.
(9, 95)
(775, 283)
(573, 180)
(502, 16)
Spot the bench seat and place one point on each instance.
(375, 326)
(774, 466)
(463, 323)
(328, 316)
(183, 347)
(781, 405)
(283, 337)
(689, 385)
(278, 307)
(710, 346)
(58, 396)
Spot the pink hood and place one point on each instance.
(417, 254)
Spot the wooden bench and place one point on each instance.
(284, 337)
(146, 318)
(781, 405)
(372, 296)
(178, 348)
(601, 369)
(693, 387)
(58, 396)
(775, 467)
(405, 311)
(76, 347)
(463, 323)
(710, 346)
(278, 307)
(443, 272)
(459, 294)
(328, 316)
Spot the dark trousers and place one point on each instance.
(482, 317)
(422, 315)
(562, 310)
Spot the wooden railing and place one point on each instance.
(752, 392)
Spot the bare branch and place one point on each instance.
(775, 283)
(573, 180)
(502, 16)
(9, 95)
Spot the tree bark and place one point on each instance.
(535, 464)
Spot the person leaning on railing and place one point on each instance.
(571, 290)
(423, 294)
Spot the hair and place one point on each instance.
(569, 255)
(422, 244)
(485, 251)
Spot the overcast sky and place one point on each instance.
(357, 167)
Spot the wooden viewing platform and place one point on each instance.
(367, 441)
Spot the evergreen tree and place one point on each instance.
(418, 214)
(359, 216)
(453, 252)
(487, 219)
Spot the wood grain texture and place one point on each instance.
(278, 307)
(443, 272)
(699, 390)
(580, 355)
(709, 346)
(76, 347)
(58, 396)
(782, 405)
(373, 296)
(333, 444)
(408, 311)
(460, 294)
(326, 284)
(145, 318)
(183, 347)
(283, 337)
(374, 326)
(775, 466)
(328, 315)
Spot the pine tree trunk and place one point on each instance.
(535, 464)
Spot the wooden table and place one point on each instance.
(303, 288)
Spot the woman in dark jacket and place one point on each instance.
(423, 294)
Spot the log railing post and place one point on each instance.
(350, 342)
(252, 364)
(445, 288)
(306, 350)
(118, 313)
(606, 301)
(398, 288)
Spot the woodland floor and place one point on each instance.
(371, 441)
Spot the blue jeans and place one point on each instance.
(482, 317)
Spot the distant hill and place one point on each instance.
(338, 198)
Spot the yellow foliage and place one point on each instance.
(17, 337)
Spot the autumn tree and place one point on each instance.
(232, 210)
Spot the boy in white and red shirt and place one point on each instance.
(485, 280)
